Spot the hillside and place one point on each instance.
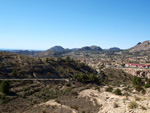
(23, 52)
(141, 47)
(47, 53)
(18, 66)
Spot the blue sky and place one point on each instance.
(41, 24)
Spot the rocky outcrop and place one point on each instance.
(138, 72)
(141, 47)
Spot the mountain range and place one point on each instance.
(58, 51)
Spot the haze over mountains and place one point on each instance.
(59, 50)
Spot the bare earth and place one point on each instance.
(106, 100)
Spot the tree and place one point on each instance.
(137, 81)
(14, 72)
(5, 86)
(68, 59)
(46, 60)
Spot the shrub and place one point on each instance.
(44, 111)
(49, 94)
(97, 88)
(115, 105)
(67, 60)
(68, 84)
(118, 92)
(75, 93)
(133, 105)
(25, 89)
(23, 95)
(147, 85)
(3, 98)
(81, 77)
(143, 91)
(14, 73)
(137, 83)
(137, 98)
(109, 89)
(74, 107)
(138, 88)
(68, 90)
(5, 86)
(46, 60)
(143, 108)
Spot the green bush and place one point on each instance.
(137, 81)
(68, 90)
(49, 94)
(5, 86)
(109, 89)
(81, 77)
(25, 89)
(67, 60)
(14, 73)
(118, 92)
(143, 91)
(3, 98)
(147, 85)
(68, 84)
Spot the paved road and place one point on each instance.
(62, 79)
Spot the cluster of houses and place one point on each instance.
(138, 65)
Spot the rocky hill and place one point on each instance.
(18, 66)
(114, 48)
(57, 48)
(91, 48)
(141, 47)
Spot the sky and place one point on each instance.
(42, 24)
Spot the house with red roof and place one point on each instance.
(138, 65)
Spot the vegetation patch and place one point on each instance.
(133, 105)
(118, 92)
(5, 87)
(109, 89)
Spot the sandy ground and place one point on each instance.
(107, 99)
(54, 103)
(107, 102)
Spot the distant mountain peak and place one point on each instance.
(114, 48)
(94, 48)
(57, 48)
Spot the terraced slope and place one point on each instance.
(18, 66)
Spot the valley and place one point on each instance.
(62, 81)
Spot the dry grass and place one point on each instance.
(132, 105)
